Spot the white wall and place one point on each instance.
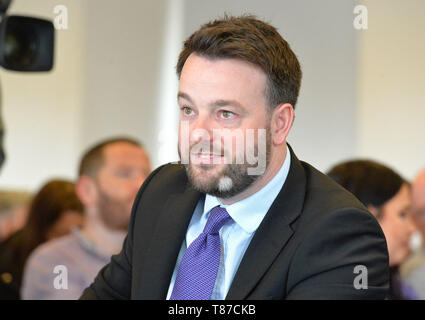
(105, 83)
(391, 85)
(123, 50)
(42, 110)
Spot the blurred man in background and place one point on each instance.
(110, 175)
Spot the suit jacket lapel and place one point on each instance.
(272, 234)
(167, 240)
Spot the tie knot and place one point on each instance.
(218, 217)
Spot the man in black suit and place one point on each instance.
(241, 217)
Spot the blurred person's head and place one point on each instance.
(386, 195)
(110, 175)
(418, 202)
(53, 212)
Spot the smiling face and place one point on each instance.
(222, 100)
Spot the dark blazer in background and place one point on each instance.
(307, 247)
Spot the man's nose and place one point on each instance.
(201, 130)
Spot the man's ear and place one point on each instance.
(281, 123)
(86, 191)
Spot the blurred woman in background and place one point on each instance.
(53, 212)
(387, 196)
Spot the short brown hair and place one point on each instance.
(92, 159)
(254, 41)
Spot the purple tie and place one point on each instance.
(198, 268)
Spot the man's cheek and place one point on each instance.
(184, 142)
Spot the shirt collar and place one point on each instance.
(87, 244)
(249, 212)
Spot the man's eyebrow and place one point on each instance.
(223, 103)
(217, 103)
(184, 96)
(406, 207)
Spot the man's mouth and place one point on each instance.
(206, 158)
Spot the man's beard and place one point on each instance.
(113, 213)
(230, 181)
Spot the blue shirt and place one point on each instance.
(236, 234)
(81, 258)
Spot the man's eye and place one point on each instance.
(123, 174)
(187, 111)
(403, 214)
(227, 114)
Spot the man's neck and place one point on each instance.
(272, 169)
(106, 240)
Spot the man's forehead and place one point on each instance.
(123, 151)
(194, 61)
(223, 79)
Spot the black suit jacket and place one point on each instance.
(307, 247)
